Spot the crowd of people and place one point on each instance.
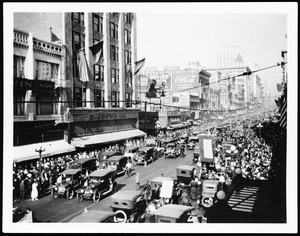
(252, 155)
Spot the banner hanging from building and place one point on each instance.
(207, 147)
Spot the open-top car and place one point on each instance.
(129, 206)
(118, 164)
(72, 179)
(172, 150)
(85, 164)
(101, 182)
(172, 213)
(145, 154)
(95, 216)
(185, 174)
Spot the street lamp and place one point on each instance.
(40, 149)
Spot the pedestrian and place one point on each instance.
(22, 190)
(128, 168)
(34, 190)
(137, 181)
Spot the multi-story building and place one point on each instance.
(50, 92)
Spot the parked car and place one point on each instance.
(129, 206)
(104, 156)
(118, 164)
(86, 164)
(145, 154)
(172, 213)
(101, 182)
(95, 216)
(209, 191)
(196, 154)
(172, 150)
(193, 140)
(72, 179)
(185, 174)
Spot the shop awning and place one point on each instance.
(177, 126)
(107, 137)
(27, 152)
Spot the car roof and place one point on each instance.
(172, 210)
(71, 171)
(116, 158)
(126, 195)
(132, 148)
(82, 160)
(160, 179)
(186, 167)
(93, 216)
(145, 148)
(101, 172)
(109, 153)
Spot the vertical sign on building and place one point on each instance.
(207, 148)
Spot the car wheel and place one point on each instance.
(122, 219)
(54, 193)
(70, 193)
(97, 196)
(79, 197)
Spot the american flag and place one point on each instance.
(283, 116)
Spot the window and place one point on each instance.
(114, 75)
(114, 54)
(79, 97)
(113, 30)
(128, 98)
(115, 99)
(78, 41)
(99, 98)
(127, 57)
(19, 66)
(127, 18)
(99, 73)
(18, 105)
(127, 37)
(45, 70)
(43, 106)
(78, 17)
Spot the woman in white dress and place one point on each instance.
(34, 191)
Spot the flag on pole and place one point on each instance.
(97, 50)
(139, 65)
(283, 115)
(84, 71)
(54, 38)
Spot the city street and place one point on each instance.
(61, 209)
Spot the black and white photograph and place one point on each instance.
(140, 113)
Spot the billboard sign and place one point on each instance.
(182, 80)
(207, 147)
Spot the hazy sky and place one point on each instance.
(175, 38)
(172, 34)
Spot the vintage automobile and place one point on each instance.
(72, 179)
(193, 140)
(118, 164)
(172, 213)
(156, 185)
(101, 182)
(145, 154)
(185, 174)
(228, 147)
(209, 191)
(172, 150)
(86, 164)
(104, 156)
(129, 206)
(94, 216)
(196, 154)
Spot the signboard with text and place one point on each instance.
(207, 148)
(182, 80)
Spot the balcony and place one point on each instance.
(21, 38)
(47, 48)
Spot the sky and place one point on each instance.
(175, 38)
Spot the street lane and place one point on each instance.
(63, 210)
